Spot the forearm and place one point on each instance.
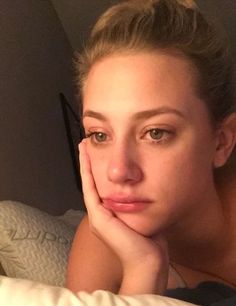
(92, 265)
(138, 283)
(144, 279)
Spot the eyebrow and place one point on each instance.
(139, 115)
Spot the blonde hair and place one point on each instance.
(188, 3)
(139, 25)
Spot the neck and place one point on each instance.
(203, 247)
(203, 239)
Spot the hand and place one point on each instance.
(145, 262)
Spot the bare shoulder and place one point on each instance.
(92, 265)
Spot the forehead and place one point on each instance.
(138, 81)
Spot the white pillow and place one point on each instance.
(33, 244)
(17, 292)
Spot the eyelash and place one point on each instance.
(168, 134)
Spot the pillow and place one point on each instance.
(15, 292)
(2, 272)
(33, 244)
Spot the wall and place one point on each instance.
(77, 16)
(35, 65)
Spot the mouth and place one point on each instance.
(129, 204)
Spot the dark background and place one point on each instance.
(38, 38)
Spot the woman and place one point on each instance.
(158, 114)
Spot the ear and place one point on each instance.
(226, 139)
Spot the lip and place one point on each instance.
(125, 204)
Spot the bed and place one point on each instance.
(34, 247)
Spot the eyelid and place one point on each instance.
(165, 128)
(94, 129)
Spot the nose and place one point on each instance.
(123, 167)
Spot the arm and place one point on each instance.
(92, 264)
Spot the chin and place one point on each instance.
(139, 224)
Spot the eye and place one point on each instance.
(156, 134)
(97, 136)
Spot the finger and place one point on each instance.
(89, 189)
(97, 213)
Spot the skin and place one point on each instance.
(138, 255)
(165, 157)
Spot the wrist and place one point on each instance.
(145, 279)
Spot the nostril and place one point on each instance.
(124, 173)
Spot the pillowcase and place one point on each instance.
(15, 292)
(33, 244)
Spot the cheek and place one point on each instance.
(182, 167)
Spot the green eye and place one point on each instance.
(156, 134)
(100, 137)
(97, 137)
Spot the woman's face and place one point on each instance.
(150, 140)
